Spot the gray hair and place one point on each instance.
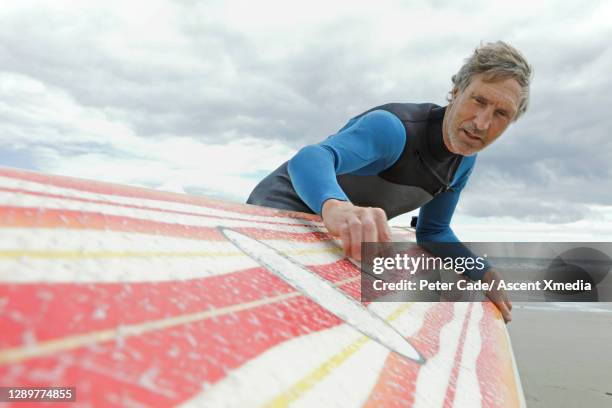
(497, 61)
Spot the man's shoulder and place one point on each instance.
(406, 111)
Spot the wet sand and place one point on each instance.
(564, 356)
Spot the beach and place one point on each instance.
(564, 353)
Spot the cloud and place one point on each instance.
(208, 97)
(84, 142)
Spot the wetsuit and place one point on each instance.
(392, 157)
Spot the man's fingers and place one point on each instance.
(382, 226)
(498, 297)
(355, 225)
(506, 301)
(500, 300)
(356, 237)
(345, 237)
(370, 234)
(505, 311)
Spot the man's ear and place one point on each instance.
(454, 93)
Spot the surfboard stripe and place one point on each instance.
(112, 267)
(325, 254)
(86, 241)
(37, 241)
(305, 384)
(318, 388)
(467, 381)
(127, 255)
(517, 394)
(340, 269)
(363, 365)
(255, 374)
(488, 370)
(397, 370)
(434, 377)
(23, 217)
(221, 339)
(302, 236)
(104, 305)
(45, 190)
(201, 213)
(452, 383)
(89, 186)
(337, 347)
(24, 200)
(41, 348)
(494, 368)
(361, 373)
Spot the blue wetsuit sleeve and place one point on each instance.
(433, 224)
(366, 145)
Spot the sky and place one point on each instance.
(208, 97)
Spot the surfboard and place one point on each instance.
(138, 297)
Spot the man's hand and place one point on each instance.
(355, 224)
(498, 297)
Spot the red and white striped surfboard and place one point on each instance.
(145, 298)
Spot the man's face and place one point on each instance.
(479, 114)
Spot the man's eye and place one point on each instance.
(501, 113)
(480, 101)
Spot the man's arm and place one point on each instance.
(434, 220)
(365, 146)
(433, 226)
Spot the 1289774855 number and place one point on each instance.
(42, 394)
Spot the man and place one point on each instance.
(399, 157)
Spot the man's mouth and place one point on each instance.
(471, 136)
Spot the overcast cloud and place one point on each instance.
(207, 97)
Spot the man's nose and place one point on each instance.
(483, 118)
